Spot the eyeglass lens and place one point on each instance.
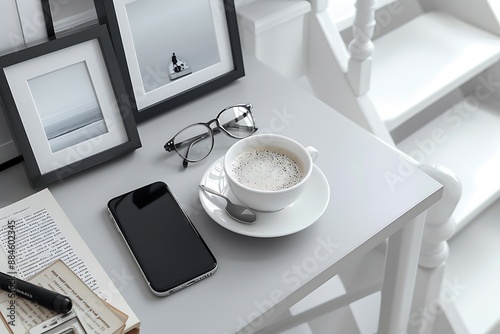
(197, 142)
(237, 121)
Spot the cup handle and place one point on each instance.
(312, 152)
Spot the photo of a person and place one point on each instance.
(174, 31)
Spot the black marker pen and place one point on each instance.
(35, 293)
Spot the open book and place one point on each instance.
(35, 232)
(89, 314)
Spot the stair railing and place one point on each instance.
(439, 224)
(361, 47)
(428, 298)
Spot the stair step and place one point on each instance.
(465, 139)
(472, 273)
(424, 59)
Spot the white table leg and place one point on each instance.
(399, 277)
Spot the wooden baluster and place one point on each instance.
(439, 227)
(361, 47)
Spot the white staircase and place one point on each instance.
(425, 78)
(435, 87)
(423, 60)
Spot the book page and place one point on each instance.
(89, 311)
(34, 232)
(39, 242)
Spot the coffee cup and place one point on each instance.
(268, 172)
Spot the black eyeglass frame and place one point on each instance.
(171, 146)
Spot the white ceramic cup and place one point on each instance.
(269, 200)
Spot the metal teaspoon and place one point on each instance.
(238, 212)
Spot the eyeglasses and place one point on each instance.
(195, 142)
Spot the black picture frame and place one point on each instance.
(84, 64)
(107, 14)
(47, 16)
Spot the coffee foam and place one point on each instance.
(267, 169)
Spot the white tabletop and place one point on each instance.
(254, 273)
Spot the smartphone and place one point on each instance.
(162, 239)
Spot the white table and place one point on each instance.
(253, 273)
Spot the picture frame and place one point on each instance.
(63, 17)
(49, 22)
(200, 36)
(66, 105)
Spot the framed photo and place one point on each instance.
(171, 52)
(67, 106)
(63, 17)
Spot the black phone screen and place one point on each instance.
(165, 244)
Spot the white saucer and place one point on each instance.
(294, 218)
